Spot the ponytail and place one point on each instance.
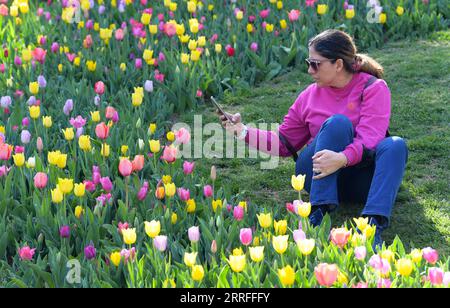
(366, 64)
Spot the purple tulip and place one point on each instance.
(64, 232)
(184, 194)
(79, 132)
(17, 61)
(148, 86)
(96, 176)
(360, 253)
(160, 242)
(97, 100)
(188, 167)
(5, 102)
(25, 122)
(299, 235)
(25, 136)
(68, 107)
(90, 252)
(143, 191)
(55, 47)
(101, 9)
(106, 184)
(31, 101)
(41, 81)
(138, 63)
(194, 234)
(254, 47)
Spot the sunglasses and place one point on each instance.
(314, 64)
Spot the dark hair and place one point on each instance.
(336, 44)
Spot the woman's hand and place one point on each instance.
(234, 127)
(326, 162)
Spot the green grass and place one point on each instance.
(418, 74)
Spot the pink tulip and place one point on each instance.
(5, 151)
(39, 55)
(64, 232)
(326, 274)
(138, 63)
(435, 276)
(55, 47)
(238, 213)
(384, 283)
(78, 122)
(169, 154)
(188, 167)
(446, 280)
(245, 236)
(2, 68)
(293, 15)
(160, 242)
(119, 34)
(360, 253)
(106, 184)
(102, 131)
(430, 254)
(194, 234)
(122, 226)
(340, 237)
(125, 167)
(299, 235)
(138, 163)
(4, 171)
(3, 10)
(361, 285)
(290, 207)
(182, 136)
(380, 264)
(143, 191)
(254, 47)
(40, 180)
(25, 253)
(207, 191)
(264, 13)
(96, 174)
(184, 194)
(39, 144)
(89, 185)
(99, 87)
(109, 112)
(310, 2)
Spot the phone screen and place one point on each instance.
(221, 109)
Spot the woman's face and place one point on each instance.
(322, 70)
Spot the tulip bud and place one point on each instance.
(214, 246)
(39, 144)
(213, 173)
(138, 123)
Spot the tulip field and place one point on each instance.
(93, 191)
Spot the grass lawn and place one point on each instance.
(418, 74)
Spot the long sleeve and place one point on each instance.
(292, 128)
(373, 123)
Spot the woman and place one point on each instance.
(343, 120)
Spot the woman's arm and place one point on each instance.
(373, 123)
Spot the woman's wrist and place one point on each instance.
(243, 132)
(343, 160)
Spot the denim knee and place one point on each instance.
(338, 123)
(395, 145)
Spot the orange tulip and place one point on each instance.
(138, 163)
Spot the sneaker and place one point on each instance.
(316, 217)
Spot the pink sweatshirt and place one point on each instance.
(314, 105)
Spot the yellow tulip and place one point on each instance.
(26, 57)
(152, 228)
(190, 258)
(269, 27)
(91, 65)
(115, 258)
(201, 41)
(84, 142)
(191, 7)
(237, 263)
(218, 48)
(152, 128)
(123, 67)
(342, 278)
(34, 88)
(265, 220)
(216, 204)
(369, 231)
(153, 29)
(280, 227)
(170, 189)
(173, 6)
(105, 150)
(195, 55)
(416, 255)
(78, 211)
(190, 206)
(283, 24)
(280, 243)
(257, 253)
(361, 223)
(167, 179)
(404, 267)
(65, 185)
(400, 10)
(286, 276)
(298, 182)
(79, 190)
(19, 159)
(69, 133)
(145, 18)
(47, 122)
(197, 273)
(129, 236)
(184, 58)
(349, 14)
(238, 251)
(61, 160)
(239, 15)
(304, 209)
(95, 116)
(322, 9)
(306, 246)
(382, 18)
(174, 218)
(136, 99)
(170, 136)
(249, 28)
(57, 195)
(124, 149)
(35, 111)
(155, 146)
(388, 255)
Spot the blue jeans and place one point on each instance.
(375, 184)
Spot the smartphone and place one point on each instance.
(221, 109)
